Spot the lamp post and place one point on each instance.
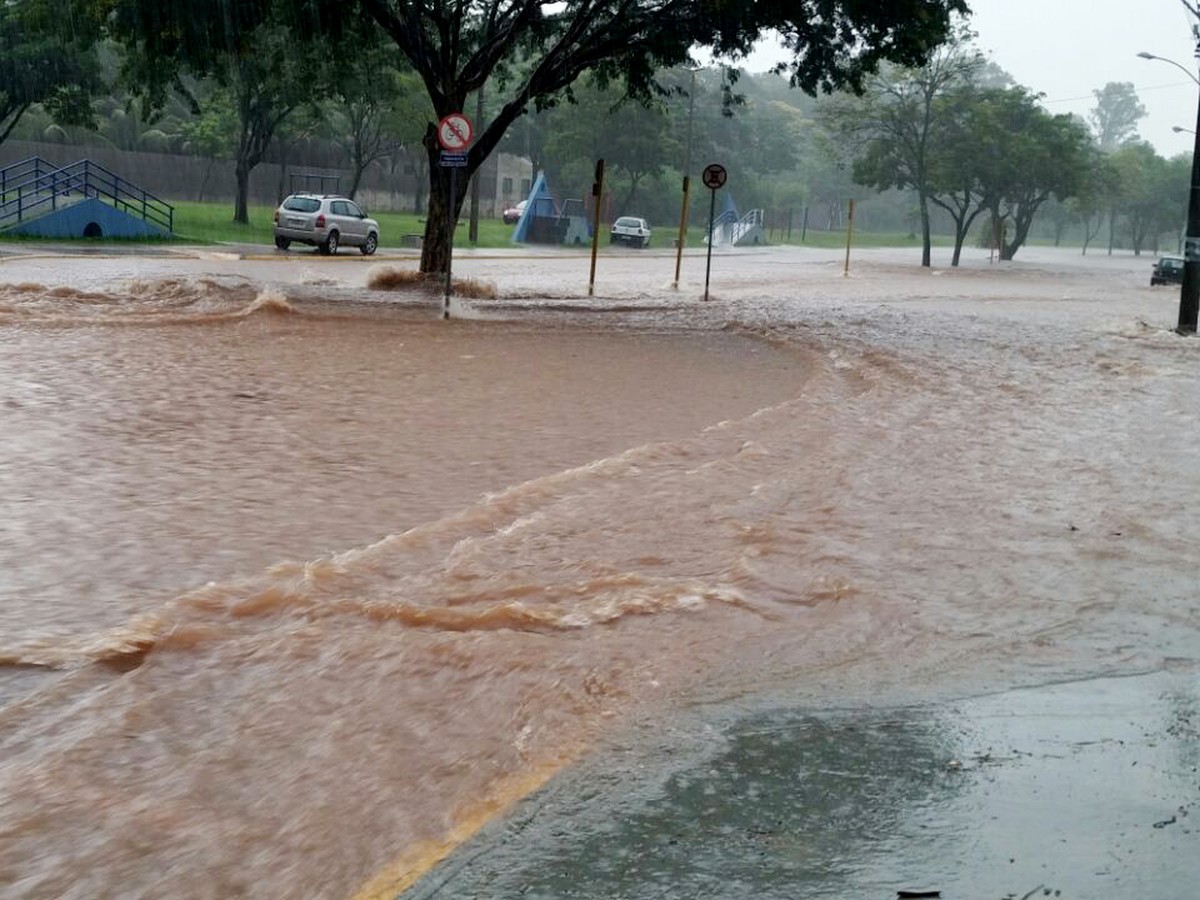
(1189, 291)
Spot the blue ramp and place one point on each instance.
(89, 218)
(79, 200)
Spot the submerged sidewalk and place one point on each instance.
(1079, 790)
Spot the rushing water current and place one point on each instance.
(299, 583)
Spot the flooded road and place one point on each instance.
(301, 585)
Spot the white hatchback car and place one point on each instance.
(324, 221)
(630, 230)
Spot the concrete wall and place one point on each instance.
(389, 185)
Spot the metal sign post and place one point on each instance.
(713, 178)
(454, 134)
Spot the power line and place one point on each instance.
(1156, 87)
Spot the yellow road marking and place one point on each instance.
(404, 871)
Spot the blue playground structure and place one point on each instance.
(82, 200)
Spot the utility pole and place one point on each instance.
(1189, 291)
(473, 227)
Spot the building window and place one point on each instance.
(525, 185)
(506, 187)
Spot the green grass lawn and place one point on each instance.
(212, 223)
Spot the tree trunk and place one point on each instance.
(208, 165)
(634, 180)
(241, 211)
(442, 213)
(280, 183)
(926, 238)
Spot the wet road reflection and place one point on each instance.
(1074, 790)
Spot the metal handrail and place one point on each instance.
(37, 184)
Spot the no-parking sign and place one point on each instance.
(713, 176)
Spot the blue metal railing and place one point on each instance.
(33, 187)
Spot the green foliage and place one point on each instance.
(47, 57)
(1151, 193)
(251, 49)
(901, 128)
(531, 52)
(635, 142)
(1024, 155)
(367, 88)
(213, 132)
(1116, 114)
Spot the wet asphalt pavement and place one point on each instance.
(1081, 790)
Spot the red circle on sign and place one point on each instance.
(713, 176)
(454, 132)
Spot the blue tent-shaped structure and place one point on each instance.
(547, 221)
(539, 222)
(729, 211)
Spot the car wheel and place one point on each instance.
(330, 247)
(371, 244)
(645, 242)
(282, 243)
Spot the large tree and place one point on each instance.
(538, 49)
(46, 56)
(953, 174)
(1152, 195)
(1115, 117)
(532, 50)
(255, 50)
(1024, 156)
(895, 127)
(366, 87)
(634, 141)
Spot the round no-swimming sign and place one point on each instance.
(713, 176)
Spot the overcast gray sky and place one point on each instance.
(1066, 49)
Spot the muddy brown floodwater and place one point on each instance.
(300, 585)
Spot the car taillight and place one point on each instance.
(320, 223)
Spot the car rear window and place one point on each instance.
(627, 222)
(302, 204)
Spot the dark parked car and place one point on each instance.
(1168, 270)
(511, 215)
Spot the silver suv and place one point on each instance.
(324, 221)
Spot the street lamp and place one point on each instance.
(1189, 291)
(1179, 129)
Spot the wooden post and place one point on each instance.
(683, 215)
(597, 194)
(849, 238)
